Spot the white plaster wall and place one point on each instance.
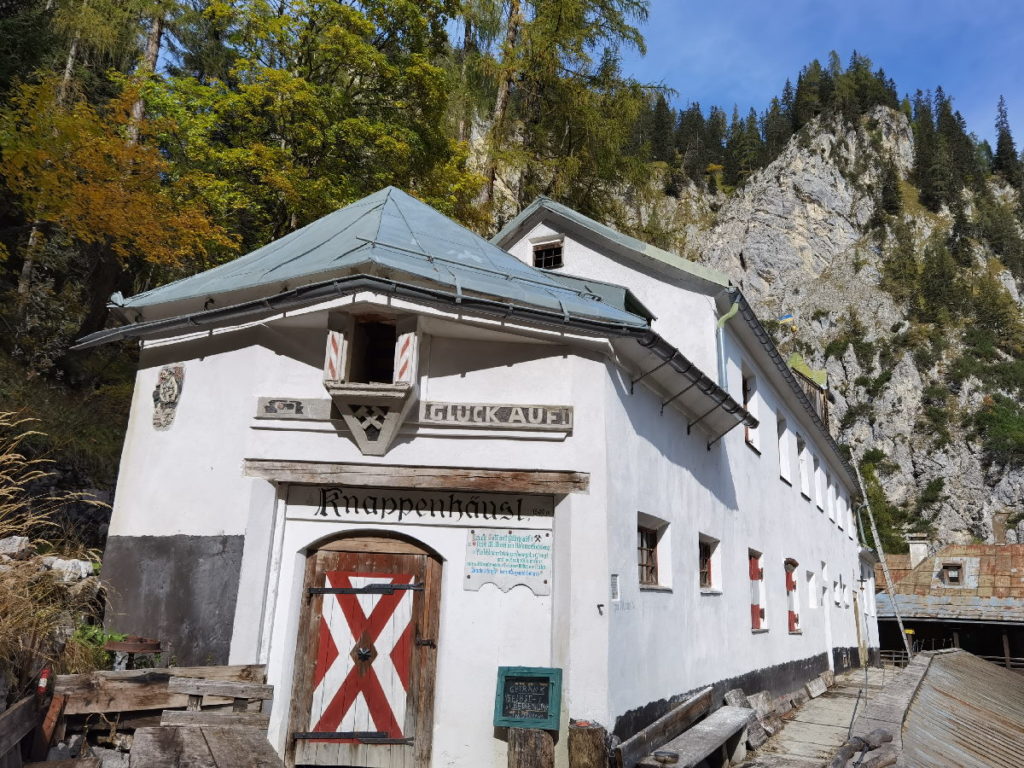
(664, 643)
(685, 318)
(186, 479)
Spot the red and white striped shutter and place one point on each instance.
(755, 592)
(406, 358)
(794, 619)
(334, 361)
(363, 658)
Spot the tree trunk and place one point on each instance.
(588, 746)
(530, 748)
(508, 71)
(468, 45)
(149, 59)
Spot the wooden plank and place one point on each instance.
(226, 744)
(43, 736)
(172, 748)
(16, 723)
(662, 730)
(196, 686)
(437, 478)
(175, 717)
(11, 760)
(138, 689)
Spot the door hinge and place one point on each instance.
(363, 737)
(427, 642)
(369, 589)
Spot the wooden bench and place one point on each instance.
(724, 732)
(662, 730)
(242, 695)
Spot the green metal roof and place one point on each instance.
(387, 234)
(647, 252)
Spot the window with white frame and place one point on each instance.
(830, 497)
(812, 589)
(709, 562)
(750, 404)
(804, 457)
(792, 595)
(841, 512)
(785, 461)
(758, 617)
(819, 485)
(654, 563)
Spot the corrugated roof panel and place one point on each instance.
(952, 607)
(966, 713)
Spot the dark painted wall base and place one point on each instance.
(778, 680)
(178, 589)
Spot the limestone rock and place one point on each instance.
(15, 547)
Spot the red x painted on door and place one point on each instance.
(363, 659)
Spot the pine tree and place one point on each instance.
(891, 199)
(662, 130)
(1006, 162)
(940, 290)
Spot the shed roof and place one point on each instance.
(388, 232)
(967, 713)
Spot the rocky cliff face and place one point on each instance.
(798, 238)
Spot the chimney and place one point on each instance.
(919, 546)
(999, 520)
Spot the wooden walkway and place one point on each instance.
(819, 727)
(202, 747)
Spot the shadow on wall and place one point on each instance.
(666, 432)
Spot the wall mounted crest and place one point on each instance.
(166, 395)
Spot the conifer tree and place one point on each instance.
(1006, 162)
(662, 131)
(891, 198)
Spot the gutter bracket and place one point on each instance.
(690, 425)
(645, 375)
(677, 394)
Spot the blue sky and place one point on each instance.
(740, 52)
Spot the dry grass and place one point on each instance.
(38, 611)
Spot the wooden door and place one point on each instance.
(366, 655)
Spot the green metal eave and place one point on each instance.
(389, 235)
(543, 207)
(614, 295)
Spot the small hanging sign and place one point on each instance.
(508, 557)
(528, 697)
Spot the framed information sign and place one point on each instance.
(528, 697)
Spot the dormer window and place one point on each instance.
(547, 255)
(952, 574)
(373, 353)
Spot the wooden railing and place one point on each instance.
(894, 658)
(1010, 662)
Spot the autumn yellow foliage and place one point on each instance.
(76, 167)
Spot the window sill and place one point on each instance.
(710, 591)
(753, 447)
(806, 497)
(759, 631)
(786, 480)
(796, 631)
(654, 588)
